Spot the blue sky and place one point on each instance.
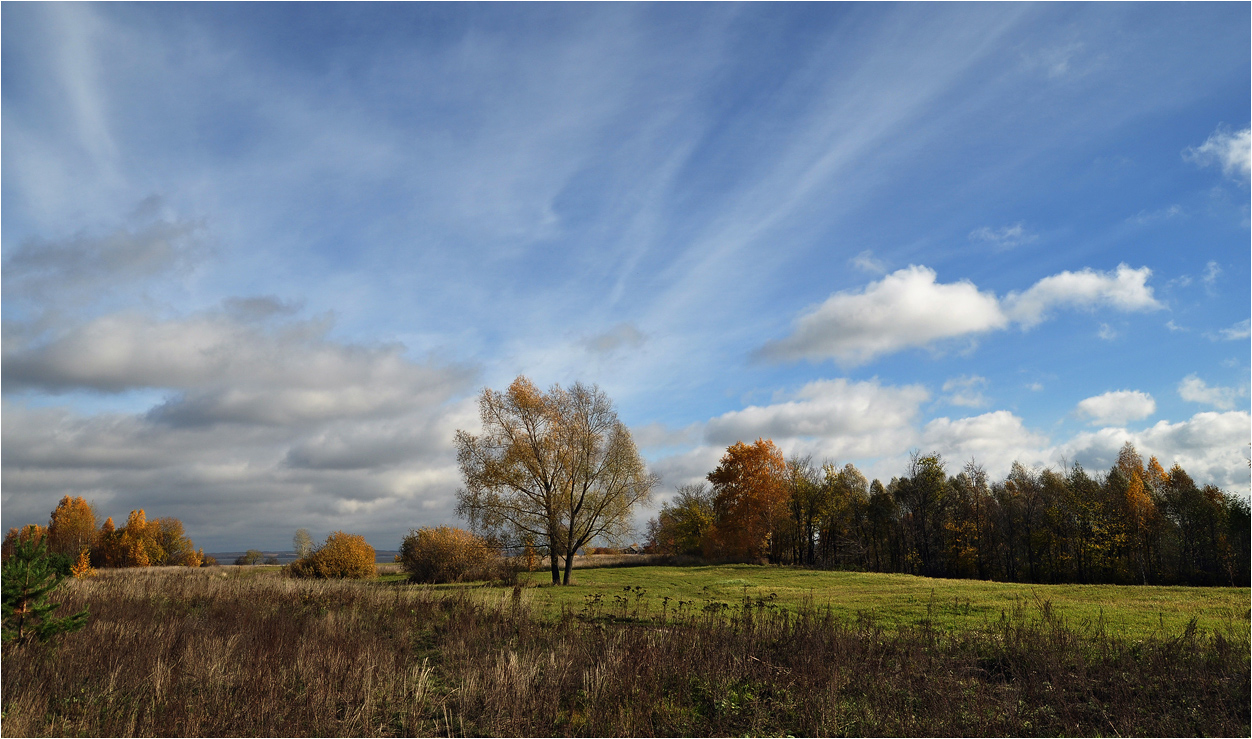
(258, 260)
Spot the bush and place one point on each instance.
(447, 554)
(342, 556)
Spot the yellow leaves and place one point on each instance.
(72, 526)
(447, 554)
(341, 556)
(82, 566)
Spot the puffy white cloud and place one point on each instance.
(1211, 447)
(844, 418)
(1193, 389)
(1230, 150)
(1125, 289)
(1117, 407)
(995, 440)
(907, 308)
(1003, 238)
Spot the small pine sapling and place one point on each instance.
(27, 579)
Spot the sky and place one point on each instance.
(259, 260)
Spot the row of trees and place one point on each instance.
(74, 540)
(1137, 523)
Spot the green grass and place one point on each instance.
(890, 600)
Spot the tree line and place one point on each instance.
(1135, 524)
(76, 545)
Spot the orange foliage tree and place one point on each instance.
(33, 533)
(72, 528)
(750, 501)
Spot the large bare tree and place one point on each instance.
(557, 468)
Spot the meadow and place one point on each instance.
(227, 651)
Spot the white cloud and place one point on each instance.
(995, 440)
(1125, 289)
(1211, 272)
(1106, 332)
(1003, 238)
(1232, 151)
(1195, 390)
(966, 391)
(846, 418)
(1240, 330)
(1117, 407)
(1211, 447)
(907, 308)
(867, 262)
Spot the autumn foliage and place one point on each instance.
(1135, 524)
(341, 556)
(446, 554)
(72, 537)
(750, 501)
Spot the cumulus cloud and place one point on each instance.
(1003, 238)
(1230, 150)
(850, 418)
(1117, 407)
(1211, 447)
(909, 308)
(265, 421)
(1195, 390)
(1124, 289)
(995, 440)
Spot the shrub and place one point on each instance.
(447, 554)
(341, 556)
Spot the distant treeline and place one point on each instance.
(1135, 524)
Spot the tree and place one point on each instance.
(72, 528)
(27, 581)
(250, 557)
(556, 466)
(751, 490)
(684, 521)
(302, 543)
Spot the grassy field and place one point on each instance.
(242, 651)
(886, 599)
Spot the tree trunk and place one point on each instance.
(569, 565)
(556, 567)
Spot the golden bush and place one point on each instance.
(341, 556)
(447, 554)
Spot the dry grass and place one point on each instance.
(225, 652)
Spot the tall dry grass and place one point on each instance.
(217, 653)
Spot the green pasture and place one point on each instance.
(890, 600)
